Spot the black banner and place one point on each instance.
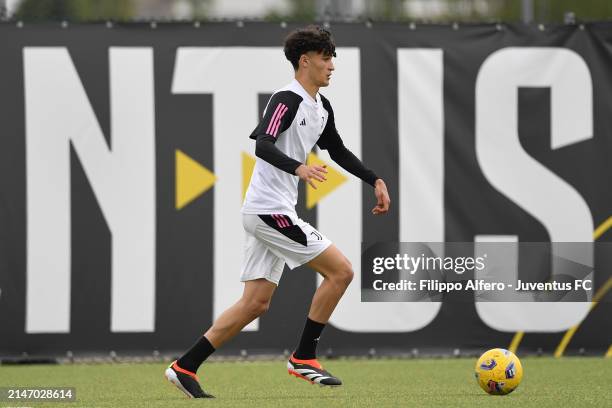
(124, 151)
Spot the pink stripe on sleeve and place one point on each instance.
(270, 125)
(278, 121)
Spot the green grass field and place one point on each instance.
(567, 382)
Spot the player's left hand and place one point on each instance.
(382, 198)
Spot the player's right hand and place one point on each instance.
(311, 173)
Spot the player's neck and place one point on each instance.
(308, 86)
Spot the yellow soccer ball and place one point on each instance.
(499, 371)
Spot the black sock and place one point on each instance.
(196, 355)
(307, 349)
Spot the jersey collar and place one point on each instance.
(305, 95)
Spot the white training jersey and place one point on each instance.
(297, 122)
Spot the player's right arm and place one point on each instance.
(279, 114)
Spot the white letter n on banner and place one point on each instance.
(122, 178)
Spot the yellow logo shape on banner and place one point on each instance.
(334, 180)
(192, 179)
(248, 164)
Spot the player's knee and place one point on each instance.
(345, 273)
(349, 275)
(257, 307)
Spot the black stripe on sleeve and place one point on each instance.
(278, 115)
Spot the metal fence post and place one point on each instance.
(527, 11)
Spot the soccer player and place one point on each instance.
(296, 118)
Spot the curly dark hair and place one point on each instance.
(311, 38)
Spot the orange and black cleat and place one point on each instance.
(311, 371)
(185, 381)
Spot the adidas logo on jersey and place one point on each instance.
(303, 122)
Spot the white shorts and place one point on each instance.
(275, 239)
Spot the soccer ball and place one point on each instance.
(498, 371)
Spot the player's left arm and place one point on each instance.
(331, 141)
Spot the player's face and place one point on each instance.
(320, 68)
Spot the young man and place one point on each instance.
(296, 118)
